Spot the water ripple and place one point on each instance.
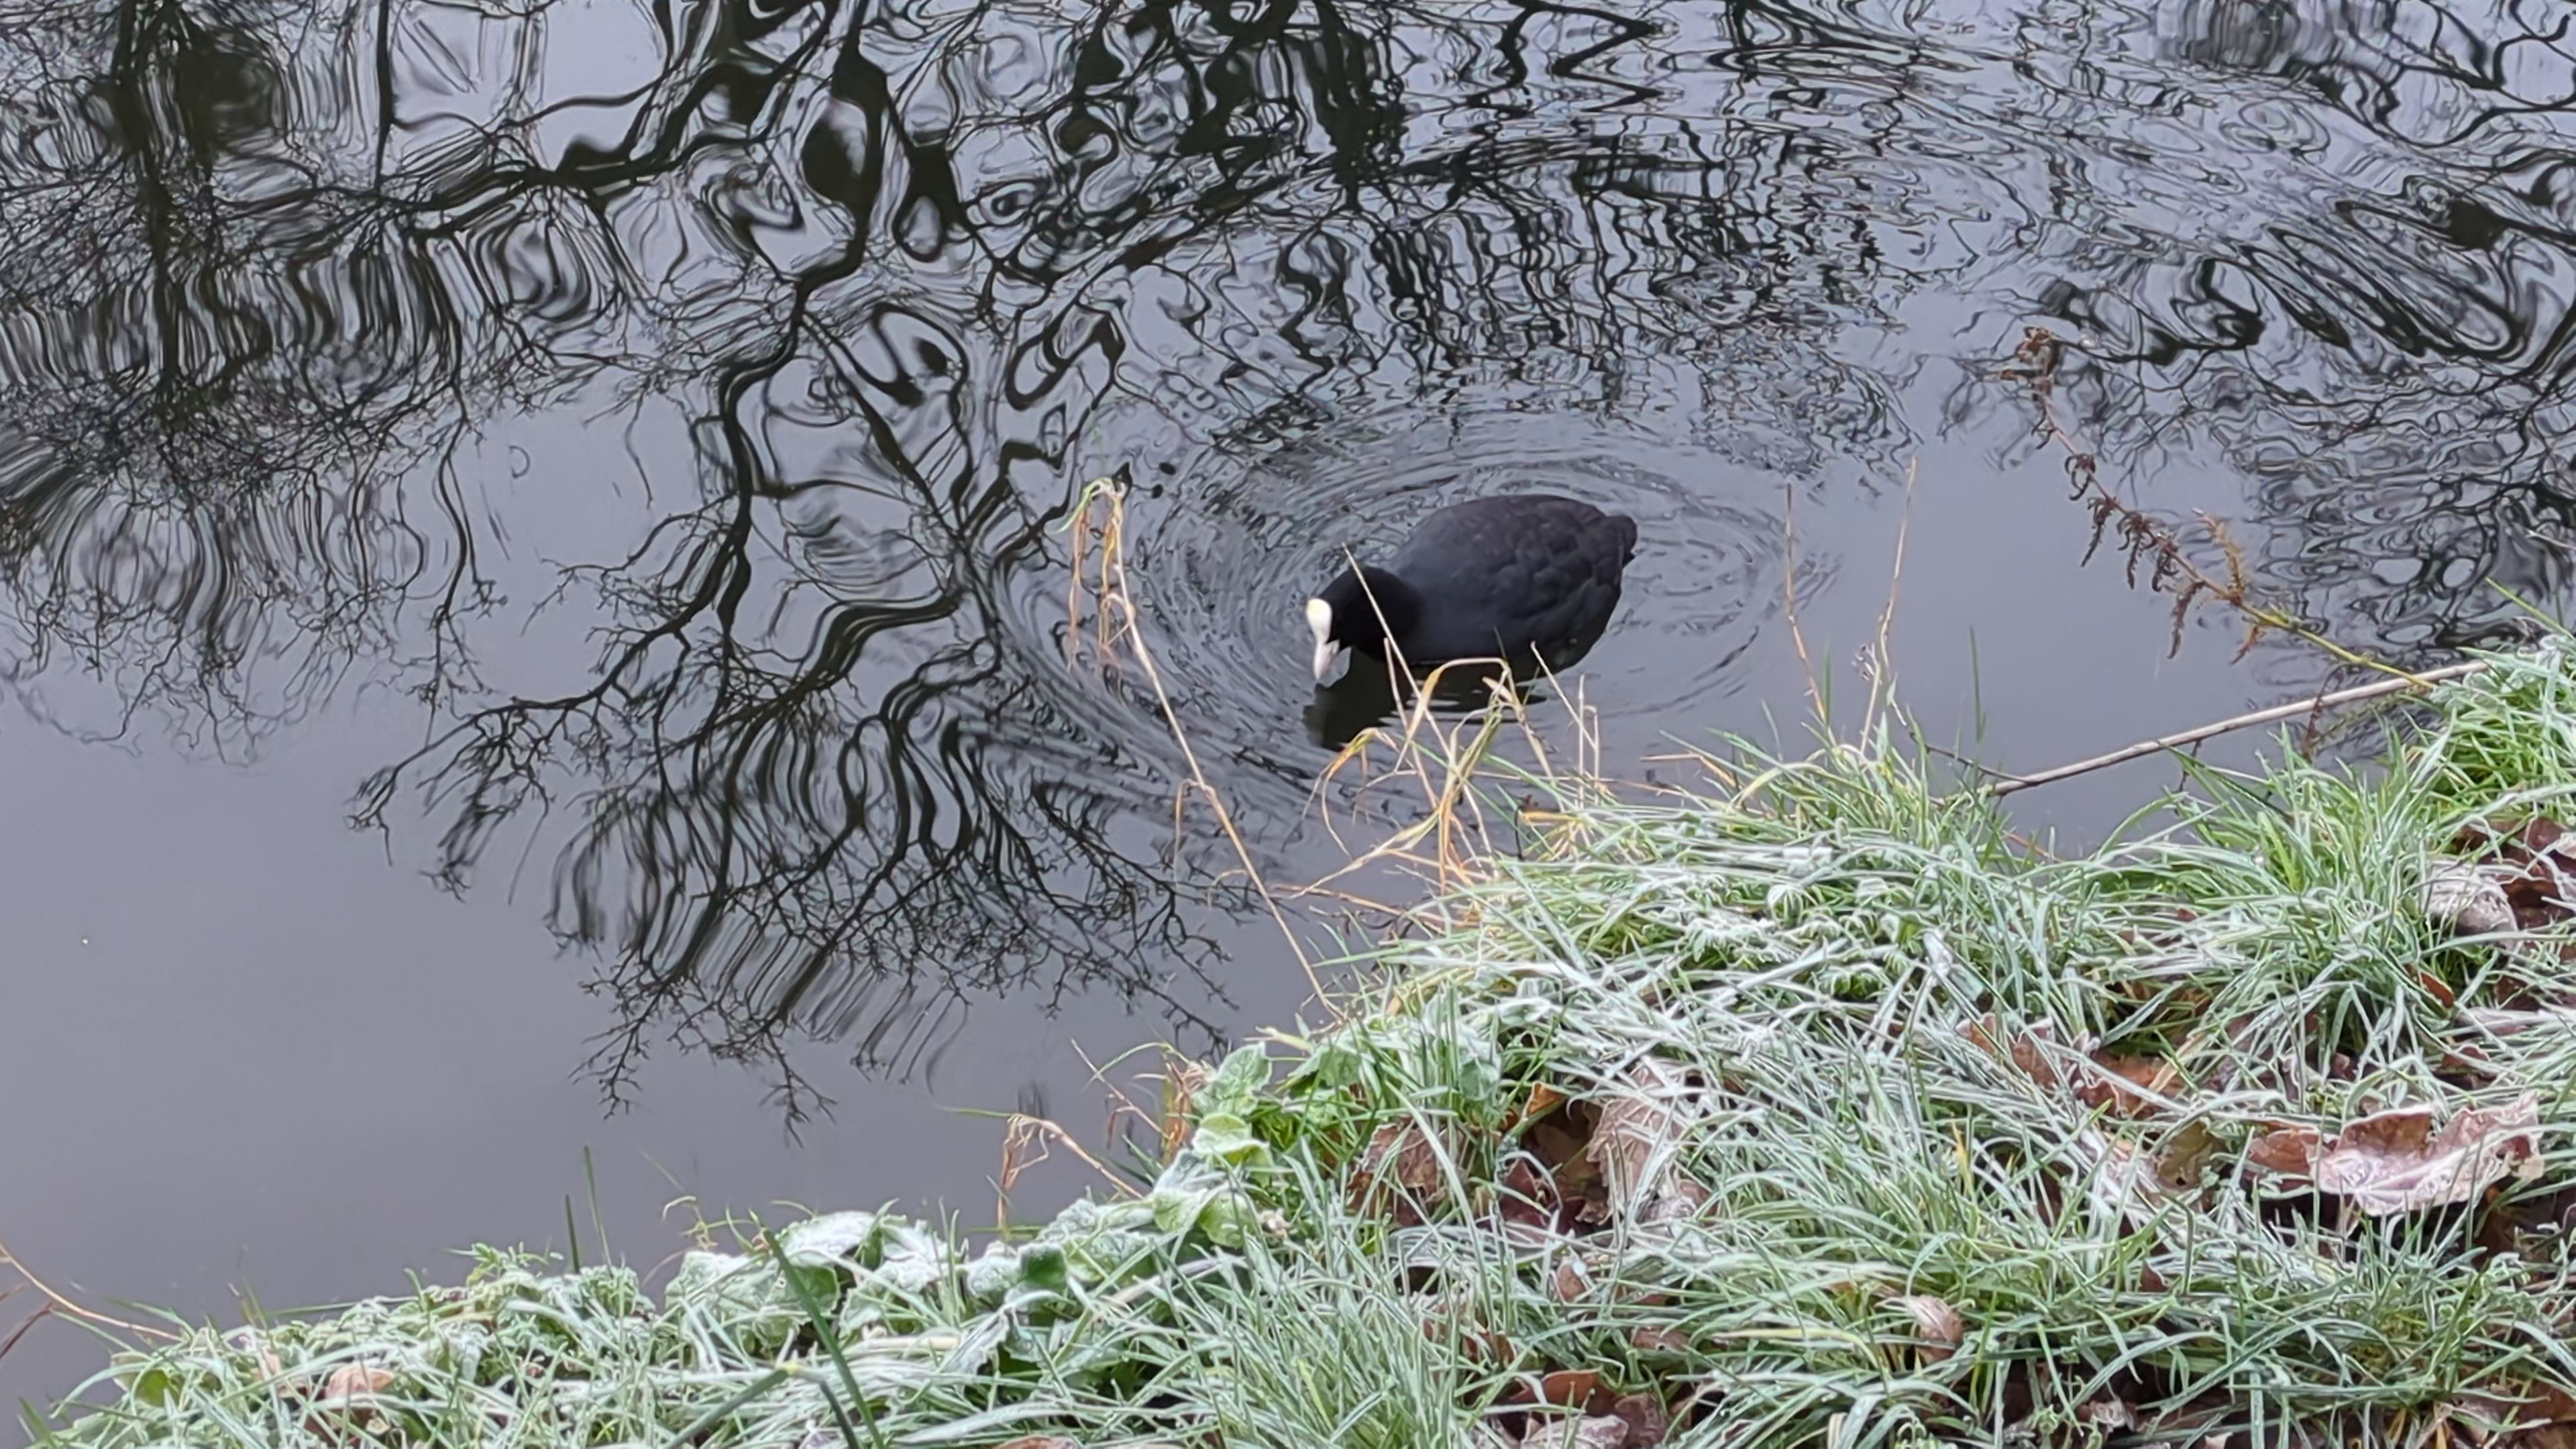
(818, 316)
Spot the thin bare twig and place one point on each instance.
(62, 1304)
(1020, 1135)
(2292, 710)
(2145, 540)
(1882, 659)
(1114, 597)
(39, 1316)
(1789, 595)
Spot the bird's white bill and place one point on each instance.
(1319, 617)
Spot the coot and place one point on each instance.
(1528, 577)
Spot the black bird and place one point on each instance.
(1528, 578)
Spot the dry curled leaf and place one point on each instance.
(1559, 1143)
(1656, 1338)
(1401, 1162)
(352, 1382)
(2026, 1049)
(1570, 1281)
(1649, 1422)
(2109, 1413)
(1639, 1131)
(1937, 1321)
(2470, 899)
(1682, 1197)
(2534, 864)
(2128, 1086)
(2395, 1162)
(2497, 1021)
(2525, 1416)
(2185, 1156)
(2126, 1182)
(1568, 1388)
(2289, 1151)
(348, 1397)
(1601, 1432)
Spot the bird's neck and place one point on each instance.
(1381, 595)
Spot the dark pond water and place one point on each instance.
(617, 455)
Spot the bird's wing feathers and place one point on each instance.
(1487, 564)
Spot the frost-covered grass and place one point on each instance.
(1808, 1106)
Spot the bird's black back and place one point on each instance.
(1521, 576)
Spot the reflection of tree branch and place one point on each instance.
(2374, 364)
(851, 831)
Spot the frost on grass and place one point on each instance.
(1811, 1108)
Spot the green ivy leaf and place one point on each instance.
(1227, 1138)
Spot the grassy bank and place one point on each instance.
(1807, 1107)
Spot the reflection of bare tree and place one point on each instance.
(161, 430)
(828, 773)
(908, 273)
(2378, 338)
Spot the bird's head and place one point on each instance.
(1360, 609)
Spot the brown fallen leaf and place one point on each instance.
(1569, 1388)
(2026, 1048)
(1560, 1142)
(1682, 1197)
(2288, 1151)
(2125, 1181)
(348, 1396)
(1557, 1139)
(1459, 1324)
(2128, 1086)
(2536, 865)
(1528, 1198)
(1659, 1339)
(2394, 1161)
(1639, 1132)
(1937, 1321)
(1649, 1422)
(2508, 1408)
(2504, 1022)
(1569, 1282)
(2470, 899)
(2185, 1157)
(1602, 1432)
(1399, 1171)
(2547, 1404)
(2109, 1413)
(351, 1382)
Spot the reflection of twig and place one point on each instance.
(2294, 708)
(2145, 540)
(1108, 534)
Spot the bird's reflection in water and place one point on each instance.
(1368, 695)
